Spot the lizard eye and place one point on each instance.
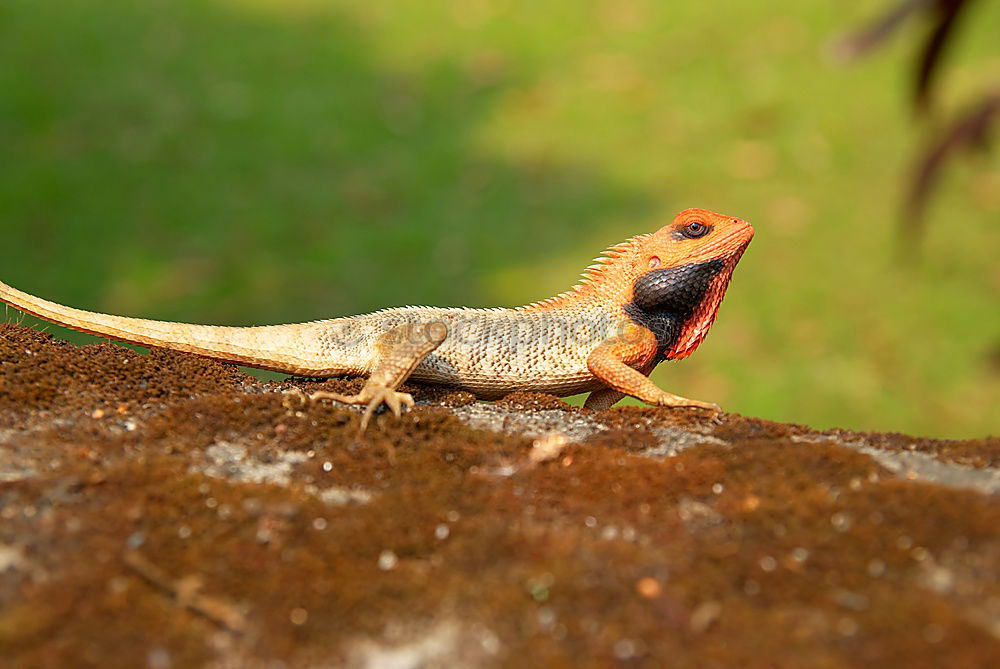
(695, 229)
(654, 262)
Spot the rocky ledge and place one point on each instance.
(162, 510)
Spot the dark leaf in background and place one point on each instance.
(968, 131)
(946, 17)
(860, 43)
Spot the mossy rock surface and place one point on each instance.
(163, 510)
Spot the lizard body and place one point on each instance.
(648, 299)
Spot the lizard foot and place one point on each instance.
(676, 401)
(372, 395)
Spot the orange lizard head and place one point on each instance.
(680, 277)
(669, 282)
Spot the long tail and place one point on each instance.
(300, 348)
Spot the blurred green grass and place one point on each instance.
(261, 161)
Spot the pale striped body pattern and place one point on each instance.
(488, 352)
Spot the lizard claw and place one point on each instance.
(374, 397)
(381, 395)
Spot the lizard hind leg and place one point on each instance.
(400, 351)
(602, 399)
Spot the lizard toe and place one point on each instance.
(337, 397)
(676, 401)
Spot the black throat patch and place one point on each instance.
(664, 299)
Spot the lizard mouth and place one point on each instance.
(738, 239)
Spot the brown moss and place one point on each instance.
(39, 372)
(530, 401)
(757, 549)
(693, 419)
(970, 452)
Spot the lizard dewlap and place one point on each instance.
(648, 299)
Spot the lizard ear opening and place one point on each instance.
(654, 262)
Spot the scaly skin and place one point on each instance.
(648, 299)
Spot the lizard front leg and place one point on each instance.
(605, 398)
(607, 363)
(403, 348)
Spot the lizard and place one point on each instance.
(648, 299)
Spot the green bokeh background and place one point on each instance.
(263, 161)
